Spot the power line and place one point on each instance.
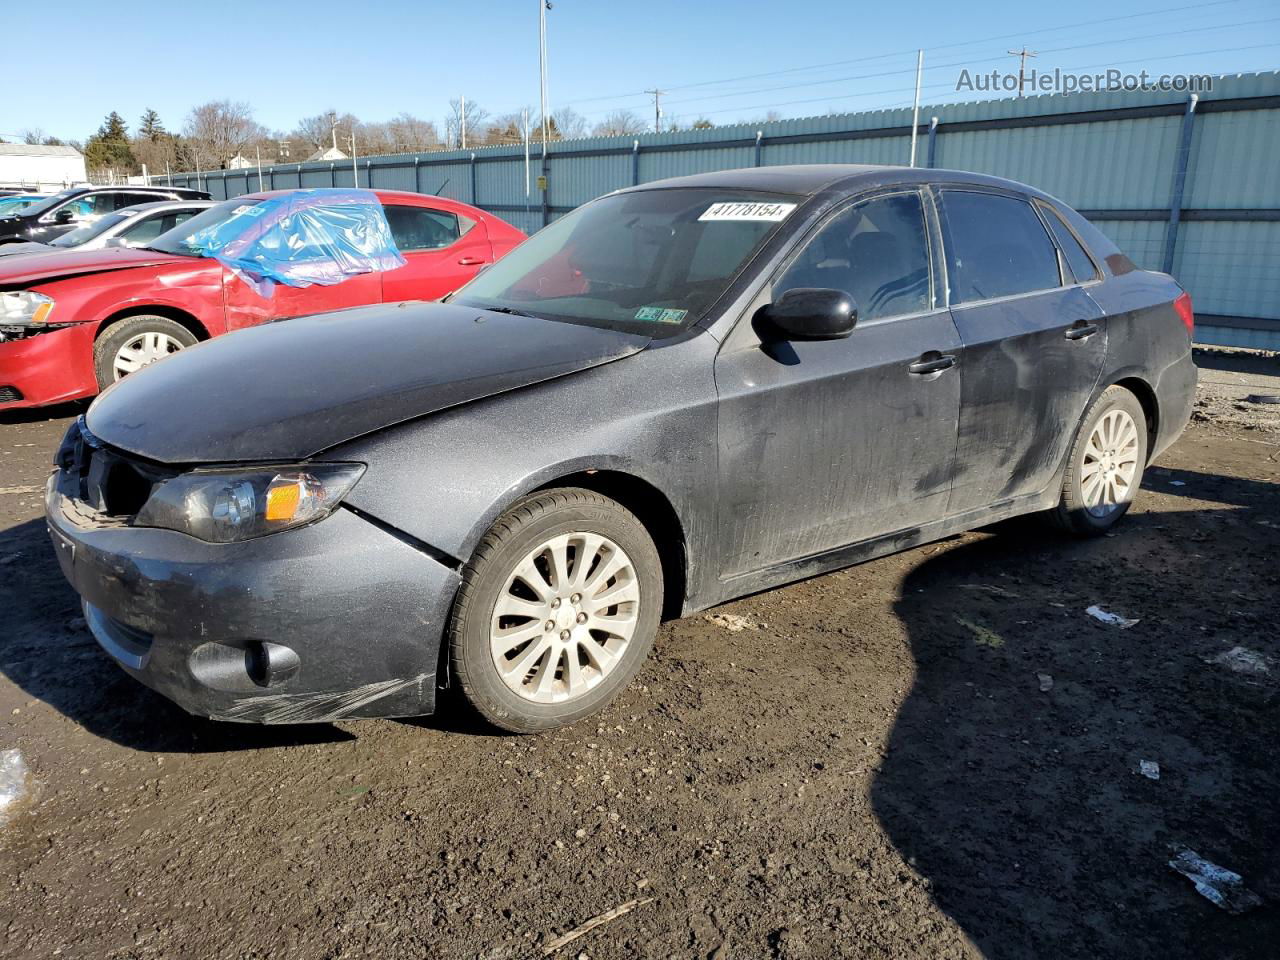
(1163, 11)
(961, 62)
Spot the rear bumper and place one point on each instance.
(48, 368)
(1175, 390)
(337, 619)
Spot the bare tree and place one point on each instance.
(569, 123)
(409, 133)
(218, 130)
(477, 119)
(619, 123)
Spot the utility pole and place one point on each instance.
(915, 112)
(543, 7)
(1022, 65)
(258, 151)
(544, 177)
(462, 123)
(355, 171)
(657, 109)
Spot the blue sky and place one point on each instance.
(376, 59)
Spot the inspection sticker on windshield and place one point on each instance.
(747, 210)
(661, 314)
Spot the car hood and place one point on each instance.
(29, 246)
(60, 264)
(289, 390)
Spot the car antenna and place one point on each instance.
(441, 187)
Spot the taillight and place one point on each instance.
(1183, 306)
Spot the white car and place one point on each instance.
(134, 226)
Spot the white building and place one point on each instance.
(40, 168)
(328, 153)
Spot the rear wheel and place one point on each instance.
(1105, 466)
(557, 610)
(131, 344)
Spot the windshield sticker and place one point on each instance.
(661, 314)
(744, 210)
(248, 210)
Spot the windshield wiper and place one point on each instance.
(513, 312)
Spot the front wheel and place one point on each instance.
(557, 610)
(1105, 466)
(131, 344)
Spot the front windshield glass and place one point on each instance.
(10, 205)
(83, 234)
(175, 240)
(48, 203)
(652, 262)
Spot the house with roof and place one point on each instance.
(40, 168)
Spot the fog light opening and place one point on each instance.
(269, 664)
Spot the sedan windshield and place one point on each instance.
(48, 203)
(651, 262)
(175, 241)
(83, 234)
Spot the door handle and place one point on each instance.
(1081, 330)
(470, 261)
(932, 362)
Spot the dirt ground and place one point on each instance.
(936, 754)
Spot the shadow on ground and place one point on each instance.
(1023, 806)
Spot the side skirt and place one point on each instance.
(816, 564)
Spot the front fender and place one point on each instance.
(443, 480)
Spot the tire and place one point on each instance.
(1084, 510)
(167, 335)
(583, 643)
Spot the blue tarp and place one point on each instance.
(303, 237)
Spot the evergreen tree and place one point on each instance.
(109, 147)
(150, 127)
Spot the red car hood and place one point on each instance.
(30, 269)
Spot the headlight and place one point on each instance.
(25, 308)
(223, 506)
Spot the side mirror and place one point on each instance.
(810, 313)
(64, 215)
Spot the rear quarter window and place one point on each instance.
(1081, 265)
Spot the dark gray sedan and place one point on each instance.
(676, 395)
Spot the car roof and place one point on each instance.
(133, 188)
(811, 179)
(405, 195)
(167, 205)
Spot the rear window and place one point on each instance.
(996, 247)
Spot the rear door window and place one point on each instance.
(421, 228)
(1082, 267)
(996, 246)
(876, 251)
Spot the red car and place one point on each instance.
(73, 323)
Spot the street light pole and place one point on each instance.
(543, 7)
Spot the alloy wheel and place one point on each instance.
(564, 619)
(1110, 469)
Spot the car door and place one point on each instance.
(442, 251)
(76, 212)
(830, 442)
(1033, 345)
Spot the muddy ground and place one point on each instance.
(932, 755)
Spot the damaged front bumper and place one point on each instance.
(336, 619)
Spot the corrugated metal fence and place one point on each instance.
(1189, 187)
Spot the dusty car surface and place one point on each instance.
(678, 394)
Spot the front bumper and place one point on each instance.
(48, 367)
(351, 616)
